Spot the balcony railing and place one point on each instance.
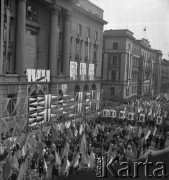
(84, 78)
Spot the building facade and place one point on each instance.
(164, 76)
(50, 35)
(130, 67)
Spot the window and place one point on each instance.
(86, 50)
(7, 3)
(112, 91)
(113, 76)
(114, 60)
(96, 36)
(32, 13)
(94, 52)
(77, 47)
(127, 91)
(115, 46)
(129, 46)
(88, 32)
(79, 29)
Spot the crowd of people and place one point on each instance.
(69, 147)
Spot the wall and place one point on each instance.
(43, 37)
(87, 22)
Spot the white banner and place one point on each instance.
(83, 69)
(73, 69)
(91, 71)
(39, 75)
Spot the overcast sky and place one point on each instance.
(135, 15)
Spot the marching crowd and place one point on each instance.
(69, 147)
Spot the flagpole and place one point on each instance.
(145, 34)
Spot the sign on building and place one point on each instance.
(40, 75)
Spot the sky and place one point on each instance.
(135, 15)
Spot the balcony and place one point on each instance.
(85, 78)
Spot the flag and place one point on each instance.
(69, 134)
(66, 150)
(15, 163)
(91, 160)
(147, 135)
(65, 166)
(75, 132)
(7, 168)
(145, 29)
(54, 133)
(140, 131)
(83, 147)
(95, 132)
(40, 147)
(81, 129)
(21, 172)
(155, 130)
(84, 163)
(57, 158)
(75, 162)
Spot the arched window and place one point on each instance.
(76, 90)
(86, 88)
(94, 87)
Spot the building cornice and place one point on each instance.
(89, 14)
(118, 36)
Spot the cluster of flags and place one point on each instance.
(17, 113)
(13, 115)
(43, 108)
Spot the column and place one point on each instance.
(1, 37)
(54, 39)
(66, 43)
(20, 37)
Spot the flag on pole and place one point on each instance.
(155, 130)
(148, 134)
(145, 29)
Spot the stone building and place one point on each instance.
(165, 76)
(130, 66)
(49, 35)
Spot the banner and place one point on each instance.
(113, 113)
(131, 116)
(83, 69)
(91, 72)
(122, 115)
(73, 69)
(38, 75)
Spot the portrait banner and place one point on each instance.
(91, 71)
(73, 69)
(83, 69)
